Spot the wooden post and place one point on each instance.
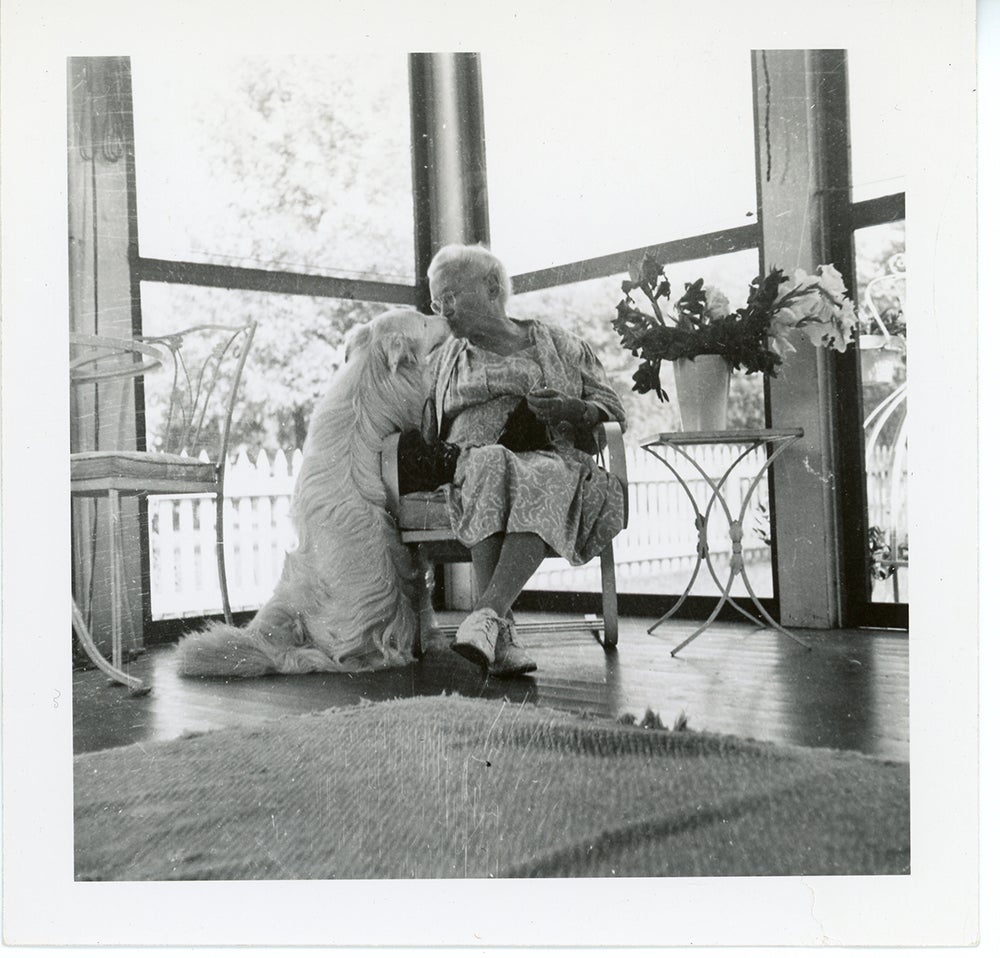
(803, 160)
(104, 300)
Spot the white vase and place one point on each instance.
(702, 387)
(880, 356)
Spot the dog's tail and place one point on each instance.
(224, 650)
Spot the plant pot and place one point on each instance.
(702, 387)
(880, 357)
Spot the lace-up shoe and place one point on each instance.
(476, 638)
(509, 658)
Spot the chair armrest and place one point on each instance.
(609, 439)
(389, 469)
(133, 358)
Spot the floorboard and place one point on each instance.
(850, 691)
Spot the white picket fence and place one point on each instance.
(258, 532)
(659, 543)
(886, 491)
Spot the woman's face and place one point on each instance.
(463, 300)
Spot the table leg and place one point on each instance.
(736, 563)
(701, 525)
(737, 566)
(704, 552)
(767, 617)
(737, 529)
(718, 608)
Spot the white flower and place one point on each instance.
(799, 296)
(782, 323)
(716, 304)
(832, 282)
(818, 305)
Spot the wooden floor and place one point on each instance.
(850, 691)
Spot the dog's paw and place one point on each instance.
(432, 639)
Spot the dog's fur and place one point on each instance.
(351, 596)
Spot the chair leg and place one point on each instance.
(609, 598)
(135, 685)
(124, 603)
(116, 578)
(430, 634)
(220, 555)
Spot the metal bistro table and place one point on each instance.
(666, 446)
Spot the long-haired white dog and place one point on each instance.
(351, 597)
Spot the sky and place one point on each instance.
(589, 150)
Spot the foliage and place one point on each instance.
(756, 337)
(882, 305)
(651, 720)
(310, 167)
(881, 269)
(880, 555)
(746, 402)
(762, 523)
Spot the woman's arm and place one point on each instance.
(596, 402)
(597, 389)
(553, 407)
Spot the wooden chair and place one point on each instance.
(423, 521)
(205, 362)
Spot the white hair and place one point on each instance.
(473, 260)
(351, 596)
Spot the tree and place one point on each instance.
(308, 160)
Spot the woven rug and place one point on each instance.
(451, 787)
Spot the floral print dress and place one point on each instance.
(562, 496)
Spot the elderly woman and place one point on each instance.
(506, 506)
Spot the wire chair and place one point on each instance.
(207, 364)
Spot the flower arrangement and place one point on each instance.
(754, 338)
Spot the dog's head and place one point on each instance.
(397, 337)
(393, 350)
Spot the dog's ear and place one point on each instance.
(357, 338)
(398, 349)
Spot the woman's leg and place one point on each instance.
(519, 555)
(485, 556)
(502, 564)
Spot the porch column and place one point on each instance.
(803, 161)
(449, 156)
(103, 300)
(449, 191)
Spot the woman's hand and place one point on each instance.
(553, 407)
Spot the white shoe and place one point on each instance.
(509, 658)
(476, 639)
